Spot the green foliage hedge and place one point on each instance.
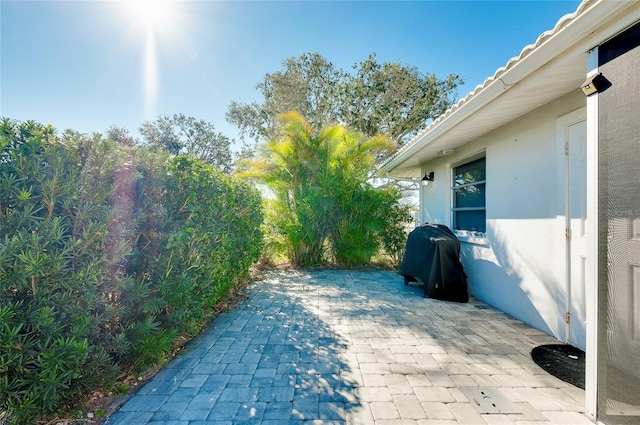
(107, 253)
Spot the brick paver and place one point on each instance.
(352, 347)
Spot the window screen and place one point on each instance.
(619, 232)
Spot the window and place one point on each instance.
(469, 209)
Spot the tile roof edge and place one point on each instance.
(562, 22)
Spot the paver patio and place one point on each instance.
(353, 347)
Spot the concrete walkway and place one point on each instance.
(354, 347)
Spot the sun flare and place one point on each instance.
(154, 26)
(150, 18)
(150, 13)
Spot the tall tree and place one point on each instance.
(394, 99)
(389, 98)
(120, 135)
(308, 84)
(179, 134)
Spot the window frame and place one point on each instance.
(474, 236)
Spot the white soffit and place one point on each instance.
(544, 71)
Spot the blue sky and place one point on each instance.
(87, 65)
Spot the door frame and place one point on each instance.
(591, 290)
(564, 273)
(572, 234)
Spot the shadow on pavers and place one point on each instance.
(272, 359)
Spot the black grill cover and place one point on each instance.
(432, 254)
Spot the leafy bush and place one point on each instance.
(53, 214)
(104, 262)
(395, 216)
(325, 206)
(213, 239)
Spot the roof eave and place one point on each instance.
(571, 34)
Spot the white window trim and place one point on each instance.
(473, 238)
(466, 236)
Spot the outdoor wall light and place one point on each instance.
(445, 152)
(427, 178)
(596, 84)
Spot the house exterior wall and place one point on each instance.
(519, 267)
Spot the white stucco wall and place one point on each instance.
(521, 268)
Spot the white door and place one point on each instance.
(576, 150)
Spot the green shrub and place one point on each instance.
(107, 254)
(53, 211)
(324, 206)
(214, 239)
(353, 237)
(395, 216)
